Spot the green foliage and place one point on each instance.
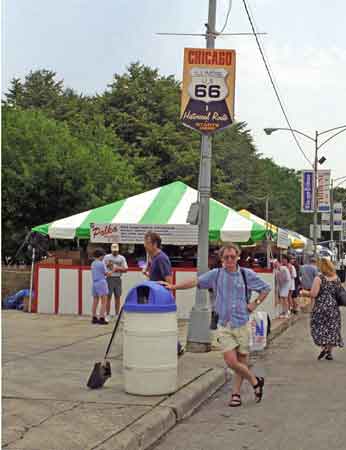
(47, 173)
(39, 90)
(142, 108)
(64, 152)
(340, 196)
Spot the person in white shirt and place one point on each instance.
(117, 264)
(293, 275)
(284, 282)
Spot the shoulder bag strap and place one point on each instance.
(217, 277)
(242, 271)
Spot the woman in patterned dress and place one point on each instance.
(325, 316)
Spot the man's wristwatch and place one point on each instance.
(258, 302)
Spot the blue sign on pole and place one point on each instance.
(307, 195)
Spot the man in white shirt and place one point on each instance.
(292, 304)
(116, 264)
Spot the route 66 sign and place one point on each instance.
(208, 89)
(208, 85)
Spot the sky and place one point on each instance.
(86, 42)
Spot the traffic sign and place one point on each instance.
(323, 192)
(307, 191)
(207, 103)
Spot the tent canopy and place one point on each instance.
(296, 239)
(272, 228)
(169, 205)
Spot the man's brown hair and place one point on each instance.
(154, 238)
(229, 246)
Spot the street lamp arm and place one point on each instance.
(292, 130)
(331, 137)
(331, 129)
(303, 134)
(339, 184)
(340, 178)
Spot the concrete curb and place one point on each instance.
(144, 432)
(185, 401)
(282, 326)
(147, 430)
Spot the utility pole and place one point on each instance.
(267, 232)
(315, 194)
(332, 215)
(198, 339)
(341, 129)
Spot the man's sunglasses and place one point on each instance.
(234, 257)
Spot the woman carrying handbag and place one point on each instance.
(325, 316)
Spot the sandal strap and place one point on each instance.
(235, 400)
(260, 382)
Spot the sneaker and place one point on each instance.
(102, 321)
(94, 320)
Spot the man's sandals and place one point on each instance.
(258, 389)
(235, 401)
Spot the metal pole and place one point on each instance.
(267, 233)
(31, 277)
(315, 195)
(199, 337)
(332, 216)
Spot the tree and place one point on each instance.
(14, 96)
(40, 90)
(142, 109)
(49, 174)
(83, 151)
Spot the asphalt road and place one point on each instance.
(304, 405)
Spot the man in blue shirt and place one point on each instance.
(233, 309)
(159, 268)
(308, 272)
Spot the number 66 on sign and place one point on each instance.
(208, 89)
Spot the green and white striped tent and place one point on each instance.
(166, 205)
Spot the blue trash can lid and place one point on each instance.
(149, 297)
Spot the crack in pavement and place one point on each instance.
(81, 402)
(59, 347)
(36, 425)
(158, 405)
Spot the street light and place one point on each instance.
(340, 129)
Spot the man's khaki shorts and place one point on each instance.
(234, 339)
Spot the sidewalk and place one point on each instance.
(46, 405)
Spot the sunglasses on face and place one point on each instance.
(233, 257)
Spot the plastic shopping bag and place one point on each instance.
(258, 331)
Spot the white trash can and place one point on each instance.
(150, 359)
